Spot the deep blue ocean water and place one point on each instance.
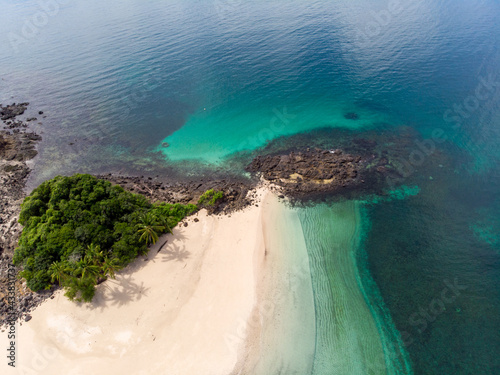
(119, 80)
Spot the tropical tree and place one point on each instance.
(163, 221)
(109, 267)
(94, 253)
(148, 228)
(59, 271)
(90, 265)
(63, 215)
(86, 268)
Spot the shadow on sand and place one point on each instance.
(125, 289)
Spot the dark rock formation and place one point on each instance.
(310, 171)
(10, 111)
(18, 146)
(235, 192)
(15, 149)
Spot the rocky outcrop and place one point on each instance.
(16, 148)
(236, 193)
(311, 171)
(11, 111)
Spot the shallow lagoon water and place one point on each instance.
(350, 335)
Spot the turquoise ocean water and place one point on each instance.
(189, 88)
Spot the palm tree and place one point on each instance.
(109, 267)
(90, 265)
(94, 253)
(88, 269)
(59, 271)
(149, 228)
(163, 221)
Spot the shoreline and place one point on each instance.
(282, 329)
(17, 149)
(185, 303)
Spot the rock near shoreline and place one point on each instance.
(312, 172)
(16, 148)
(11, 111)
(235, 198)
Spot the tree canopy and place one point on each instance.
(79, 230)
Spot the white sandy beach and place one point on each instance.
(194, 307)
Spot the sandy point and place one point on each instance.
(180, 310)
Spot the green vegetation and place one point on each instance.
(80, 230)
(149, 227)
(210, 197)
